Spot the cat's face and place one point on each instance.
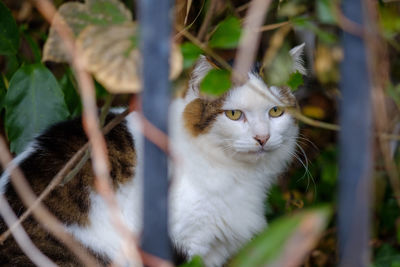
(249, 123)
(254, 121)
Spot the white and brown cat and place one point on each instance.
(228, 152)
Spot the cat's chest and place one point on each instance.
(202, 220)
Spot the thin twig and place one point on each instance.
(346, 24)
(206, 22)
(205, 48)
(275, 43)
(22, 238)
(105, 109)
(316, 123)
(249, 40)
(274, 26)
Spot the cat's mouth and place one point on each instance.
(259, 151)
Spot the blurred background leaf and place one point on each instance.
(279, 244)
(34, 101)
(9, 34)
(216, 82)
(227, 34)
(190, 54)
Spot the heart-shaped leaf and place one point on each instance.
(34, 101)
(190, 54)
(216, 82)
(295, 80)
(78, 16)
(112, 55)
(227, 34)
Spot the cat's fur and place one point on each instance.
(221, 175)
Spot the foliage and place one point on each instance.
(227, 34)
(276, 244)
(216, 82)
(34, 95)
(33, 102)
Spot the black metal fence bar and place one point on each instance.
(155, 33)
(355, 147)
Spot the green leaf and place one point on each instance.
(195, 262)
(272, 246)
(295, 80)
(71, 96)
(216, 82)
(227, 34)
(389, 20)
(190, 54)
(9, 35)
(325, 11)
(34, 101)
(387, 256)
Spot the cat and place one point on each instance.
(227, 153)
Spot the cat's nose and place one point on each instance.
(262, 139)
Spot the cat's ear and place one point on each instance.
(201, 68)
(297, 56)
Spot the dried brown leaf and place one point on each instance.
(112, 55)
(78, 16)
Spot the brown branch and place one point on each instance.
(41, 214)
(345, 23)
(205, 48)
(154, 135)
(378, 64)
(274, 44)
(22, 238)
(274, 26)
(206, 22)
(250, 39)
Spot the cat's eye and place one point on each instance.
(276, 112)
(233, 114)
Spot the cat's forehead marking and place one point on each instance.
(200, 113)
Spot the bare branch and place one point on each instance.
(205, 48)
(250, 39)
(21, 237)
(378, 64)
(206, 22)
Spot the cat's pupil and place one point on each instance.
(275, 109)
(233, 112)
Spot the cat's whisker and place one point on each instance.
(307, 171)
(304, 138)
